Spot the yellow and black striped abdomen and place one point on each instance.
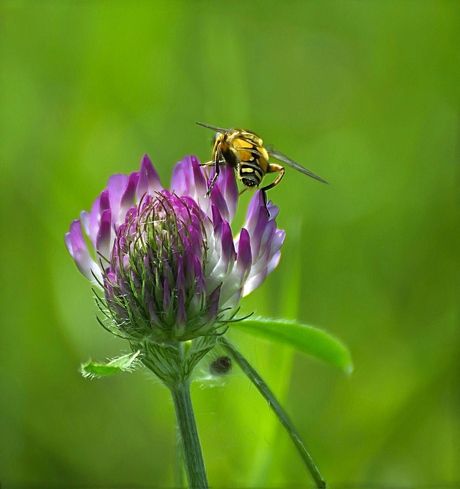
(253, 163)
(251, 173)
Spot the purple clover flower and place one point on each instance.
(168, 263)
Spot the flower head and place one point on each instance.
(168, 263)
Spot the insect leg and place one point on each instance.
(273, 167)
(208, 164)
(214, 178)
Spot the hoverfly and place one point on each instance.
(245, 153)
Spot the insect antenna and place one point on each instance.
(217, 129)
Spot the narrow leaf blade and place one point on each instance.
(306, 339)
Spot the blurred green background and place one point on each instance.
(364, 93)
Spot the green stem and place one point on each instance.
(178, 461)
(276, 407)
(191, 448)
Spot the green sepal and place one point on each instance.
(196, 350)
(307, 339)
(125, 363)
(174, 362)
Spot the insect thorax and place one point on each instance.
(229, 154)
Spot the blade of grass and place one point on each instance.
(276, 407)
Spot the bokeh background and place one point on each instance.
(364, 93)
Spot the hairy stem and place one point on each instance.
(191, 448)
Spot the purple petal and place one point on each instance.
(244, 256)
(104, 201)
(103, 240)
(200, 188)
(216, 217)
(116, 187)
(129, 195)
(273, 263)
(273, 210)
(255, 205)
(84, 219)
(189, 270)
(229, 189)
(228, 248)
(188, 179)
(92, 223)
(199, 275)
(277, 240)
(218, 201)
(109, 282)
(213, 303)
(99, 206)
(149, 181)
(256, 219)
(225, 251)
(180, 180)
(78, 249)
(260, 243)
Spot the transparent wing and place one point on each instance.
(285, 159)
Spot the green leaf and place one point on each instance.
(307, 339)
(125, 363)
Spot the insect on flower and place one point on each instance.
(167, 263)
(244, 151)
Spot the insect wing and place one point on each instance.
(283, 158)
